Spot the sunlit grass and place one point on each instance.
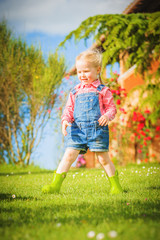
(83, 204)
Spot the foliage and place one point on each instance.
(132, 126)
(133, 34)
(27, 95)
(119, 93)
(83, 204)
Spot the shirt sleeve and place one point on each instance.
(109, 105)
(69, 109)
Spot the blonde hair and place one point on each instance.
(92, 56)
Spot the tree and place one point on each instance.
(28, 87)
(135, 34)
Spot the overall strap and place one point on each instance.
(100, 87)
(73, 91)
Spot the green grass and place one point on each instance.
(83, 205)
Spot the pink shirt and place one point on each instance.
(106, 102)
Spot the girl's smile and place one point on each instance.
(86, 72)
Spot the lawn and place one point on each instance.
(82, 206)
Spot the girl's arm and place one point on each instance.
(69, 108)
(109, 105)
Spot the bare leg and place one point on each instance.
(69, 157)
(104, 160)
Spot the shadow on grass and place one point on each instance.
(26, 173)
(10, 197)
(84, 212)
(153, 188)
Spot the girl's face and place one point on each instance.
(87, 73)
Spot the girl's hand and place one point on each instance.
(103, 120)
(65, 124)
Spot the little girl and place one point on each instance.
(89, 109)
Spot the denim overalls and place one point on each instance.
(85, 131)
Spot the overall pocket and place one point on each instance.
(86, 105)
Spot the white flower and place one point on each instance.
(13, 196)
(29, 172)
(138, 161)
(112, 234)
(7, 175)
(100, 236)
(143, 167)
(58, 225)
(91, 234)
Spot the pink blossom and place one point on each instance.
(158, 128)
(147, 111)
(118, 101)
(148, 138)
(49, 111)
(143, 133)
(157, 136)
(113, 91)
(140, 126)
(122, 110)
(145, 143)
(147, 130)
(118, 92)
(124, 94)
(122, 89)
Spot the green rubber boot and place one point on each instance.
(115, 185)
(55, 186)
